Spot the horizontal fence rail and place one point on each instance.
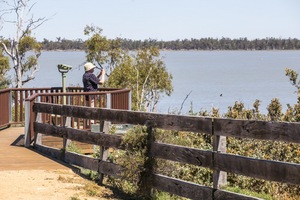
(261, 130)
(213, 159)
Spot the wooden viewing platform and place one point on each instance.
(14, 156)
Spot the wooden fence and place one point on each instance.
(12, 100)
(215, 159)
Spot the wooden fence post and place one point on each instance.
(67, 123)
(38, 136)
(27, 124)
(219, 146)
(129, 100)
(104, 127)
(145, 186)
(108, 100)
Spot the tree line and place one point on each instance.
(185, 44)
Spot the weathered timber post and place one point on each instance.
(129, 101)
(145, 185)
(66, 123)
(108, 100)
(27, 124)
(38, 136)
(104, 127)
(29, 119)
(103, 150)
(219, 146)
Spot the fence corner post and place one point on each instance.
(27, 124)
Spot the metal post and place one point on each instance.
(63, 75)
(63, 69)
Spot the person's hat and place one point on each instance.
(88, 66)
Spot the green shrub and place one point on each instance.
(269, 150)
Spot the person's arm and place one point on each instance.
(101, 77)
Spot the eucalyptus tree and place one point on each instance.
(4, 67)
(293, 112)
(142, 71)
(146, 75)
(22, 49)
(293, 77)
(101, 51)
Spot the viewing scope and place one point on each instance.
(62, 68)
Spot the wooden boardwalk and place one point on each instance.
(14, 156)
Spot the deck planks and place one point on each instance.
(14, 156)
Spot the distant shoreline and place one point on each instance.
(75, 50)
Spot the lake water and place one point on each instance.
(212, 78)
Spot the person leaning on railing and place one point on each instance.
(91, 81)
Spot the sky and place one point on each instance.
(165, 19)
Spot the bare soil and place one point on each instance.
(49, 185)
(28, 175)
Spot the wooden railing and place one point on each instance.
(214, 159)
(12, 100)
(103, 99)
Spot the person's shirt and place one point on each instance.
(90, 82)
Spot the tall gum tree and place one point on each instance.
(4, 67)
(293, 112)
(22, 49)
(146, 75)
(101, 51)
(143, 71)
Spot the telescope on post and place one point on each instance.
(64, 69)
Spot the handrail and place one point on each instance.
(12, 100)
(32, 97)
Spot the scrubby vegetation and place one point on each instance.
(280, 151)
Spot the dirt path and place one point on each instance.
(49, 185)
(26, 174)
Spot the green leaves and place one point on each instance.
(4, 67)
(97, 45)
(293, 76)
(146, 75)
(22, 43)
(28, 43)
(143, 71)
